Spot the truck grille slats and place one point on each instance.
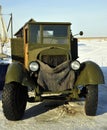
(54, 60)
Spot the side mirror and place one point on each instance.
(81, 33)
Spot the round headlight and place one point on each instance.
(75, 65)
(34, 66)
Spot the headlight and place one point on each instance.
(75, 65)
(34, 66)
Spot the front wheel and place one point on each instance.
(91, 100)
(14, 99)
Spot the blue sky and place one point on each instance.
(90, 16)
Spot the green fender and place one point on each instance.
(17, 73)
(91, 73)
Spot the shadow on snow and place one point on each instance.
(42, 107)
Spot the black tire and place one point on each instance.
(91, 100)
(14, 99)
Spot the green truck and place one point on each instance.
(45, 62)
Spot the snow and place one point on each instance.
(6, 51)
(56, 115)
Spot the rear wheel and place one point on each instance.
(91, 100)
(14, 99)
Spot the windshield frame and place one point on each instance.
(52, 37)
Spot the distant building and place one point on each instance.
(19, 33)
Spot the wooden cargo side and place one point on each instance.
(17, 49)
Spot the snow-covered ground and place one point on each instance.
(6, 50)
(58, 116)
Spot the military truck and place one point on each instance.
(45, 62)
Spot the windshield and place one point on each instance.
(48, 34)
(55, 34)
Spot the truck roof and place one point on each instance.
(32, 21)
(51, 23)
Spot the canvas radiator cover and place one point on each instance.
(56, 79)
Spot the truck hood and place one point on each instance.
(52, 50)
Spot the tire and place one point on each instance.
(14, 99)
(91, 100)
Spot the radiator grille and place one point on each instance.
(54, 60)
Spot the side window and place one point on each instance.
(34, 33)
(26, 35)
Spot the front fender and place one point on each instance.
(90, 74)
(17, 73)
